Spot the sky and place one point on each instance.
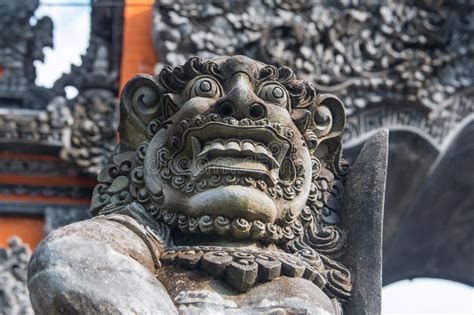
(71, 35)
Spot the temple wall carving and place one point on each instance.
(394, 64)
(407, 66)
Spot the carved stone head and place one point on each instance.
(235, 150)
(231, 140)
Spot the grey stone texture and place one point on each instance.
(108, 270)
(226, 194)
(363, 207)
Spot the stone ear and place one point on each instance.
(141, 102)
(328, 120)
(329, 117)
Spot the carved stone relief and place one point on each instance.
(21, 43)
(403, 65)
(70, 192)
(39, 167)
(14, 297)
(43, 133)
(229, 175)
(185, 159)
(84, 128)
(392, 63)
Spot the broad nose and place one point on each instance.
(241, 101)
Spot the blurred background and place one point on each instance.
(403, 65)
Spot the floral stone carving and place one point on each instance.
(393, 63)
(224, 193)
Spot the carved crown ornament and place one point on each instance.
(236, 150)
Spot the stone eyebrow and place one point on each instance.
(174, 79)
(302, 93)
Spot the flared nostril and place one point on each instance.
(226, 109)
(257, 111)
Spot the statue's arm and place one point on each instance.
(98, 266)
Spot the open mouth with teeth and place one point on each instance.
(218, 148)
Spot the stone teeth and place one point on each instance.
(196, 144)
(215, 146)
(232, 146)
(206, 149)
(284, 148)
(260, 149)
(264, 154)
(248, 147)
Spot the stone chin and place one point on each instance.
(233, 201)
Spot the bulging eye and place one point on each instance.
(323, 121)
(205, 87)
(274, 93)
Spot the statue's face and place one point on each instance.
(232, 146)
(231, 149)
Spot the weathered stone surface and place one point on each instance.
(189, 259)
(242, 274)
(268, 267)
(293, 268)
(403, 64)
(108, 270)
(406, 66)
(215, 263)
(363, 212)
(282, 295)
(227, 156)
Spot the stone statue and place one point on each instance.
(225, 194)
